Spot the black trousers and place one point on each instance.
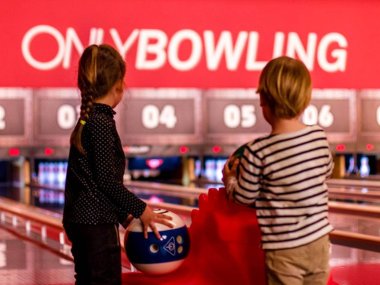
(96, 252)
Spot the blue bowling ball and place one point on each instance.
(154, 256)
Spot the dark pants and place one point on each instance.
(96, 251)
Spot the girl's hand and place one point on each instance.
(149, 219)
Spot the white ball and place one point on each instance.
(154, 256)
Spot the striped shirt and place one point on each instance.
(284, 177)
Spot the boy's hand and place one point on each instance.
(229, 176)
(230, 169)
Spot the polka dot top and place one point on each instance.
(94, 192)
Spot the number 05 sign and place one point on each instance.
(233, 116)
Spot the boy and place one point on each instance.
(283, 175)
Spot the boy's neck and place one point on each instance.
(283, 126)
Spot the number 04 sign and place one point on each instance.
(152, 116)
(161, 116)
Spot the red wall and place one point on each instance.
(201, 43)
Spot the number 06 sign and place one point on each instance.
(335, 111)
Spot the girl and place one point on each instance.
(96, 200)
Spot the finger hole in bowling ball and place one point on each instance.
(153, 248)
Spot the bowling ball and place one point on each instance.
(154, 256)
(238, 153)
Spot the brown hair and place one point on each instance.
(285, 85)
(100, 67)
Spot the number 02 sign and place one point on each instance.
(15, 116)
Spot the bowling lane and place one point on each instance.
(346, 211)
(365, 192)
(25, 263)
(363, 221)
(52, 197)
(355, 184)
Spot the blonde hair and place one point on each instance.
(285, 85)
(100, 67)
